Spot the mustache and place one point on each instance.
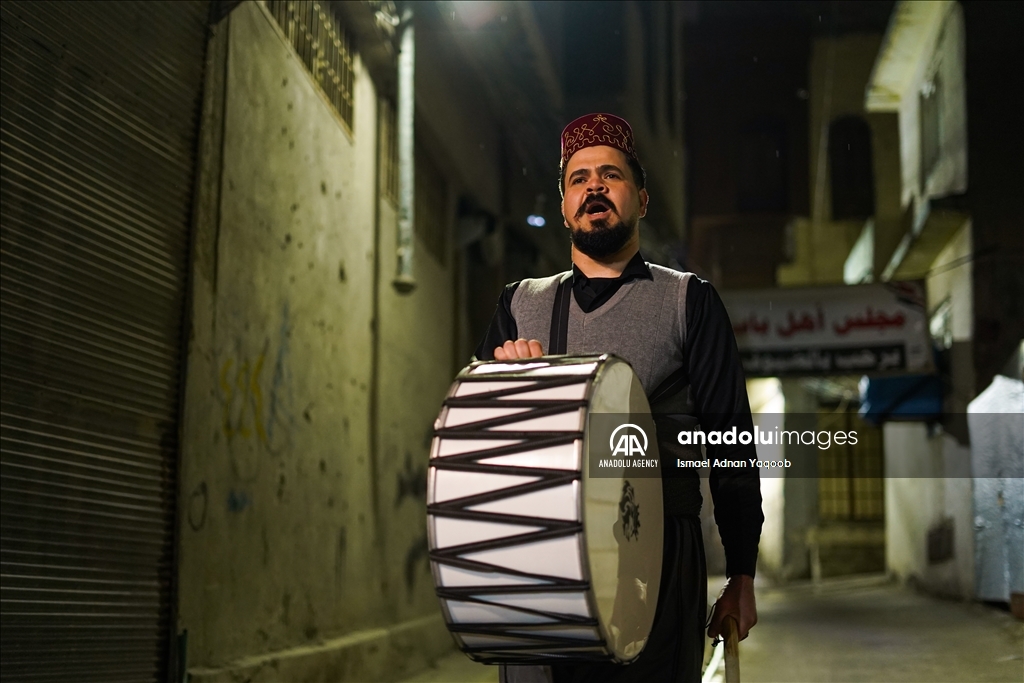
(594, 199)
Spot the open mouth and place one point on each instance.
(596, 207)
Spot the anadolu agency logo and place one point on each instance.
(629, 447)
(628, 444)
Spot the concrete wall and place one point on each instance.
(746, 79)
(416, 358)
(311, 388)
(927, 484)
(665, 172)
(415, 367)
(419, 347)
(454, 120)
(800, 488)
(944, 62)
(839, 71)
(952, 280)
(921, 59)
(928, 471)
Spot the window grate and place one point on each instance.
(323, 46)
(850, 477)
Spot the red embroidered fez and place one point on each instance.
(597, 129)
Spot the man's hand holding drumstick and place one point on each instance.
(734, 614)
(736, 601)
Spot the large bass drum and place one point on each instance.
(540, 552)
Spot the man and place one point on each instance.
(673, 329)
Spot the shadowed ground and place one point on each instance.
(851, 631)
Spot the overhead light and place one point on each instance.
(536, 219)
(476, 13)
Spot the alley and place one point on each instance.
(264, 264)
(851, 630)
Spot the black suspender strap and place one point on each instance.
(559, 337)
(671, 385)
(558, 341)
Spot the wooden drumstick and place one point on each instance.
(731, 630)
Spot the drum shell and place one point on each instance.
(562, 608)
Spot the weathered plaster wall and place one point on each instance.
(839, 71)
(927, 482)
(944, 63)
(800, 490)
(420, 349)
(416, 367)
(665, 172)
(283, 573)
(951, 278)
(928, 474)
(276, 437)
(454, 116)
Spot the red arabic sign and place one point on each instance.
(832, 330)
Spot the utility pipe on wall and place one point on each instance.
(404, 281)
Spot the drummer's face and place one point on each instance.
(600, 190)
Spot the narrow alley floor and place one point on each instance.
(877, 632)
(858, 630)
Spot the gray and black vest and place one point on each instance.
(643, 323)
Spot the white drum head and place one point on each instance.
(622, 517)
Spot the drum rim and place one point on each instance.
(584, 469)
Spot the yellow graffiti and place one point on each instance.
(246, 381)
(257, 398)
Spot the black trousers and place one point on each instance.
(675, 649)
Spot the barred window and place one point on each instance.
(388, 160)
(850, 477)
(322, 45)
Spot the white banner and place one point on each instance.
(840, 330)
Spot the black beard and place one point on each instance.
(602, 240)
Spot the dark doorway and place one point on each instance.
(849, 157)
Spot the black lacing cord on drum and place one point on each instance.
(559, 337)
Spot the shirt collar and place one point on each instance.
(635, 269)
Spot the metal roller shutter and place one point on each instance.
(98, 122)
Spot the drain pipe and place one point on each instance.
(404, 281)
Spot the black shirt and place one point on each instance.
(593, 292)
